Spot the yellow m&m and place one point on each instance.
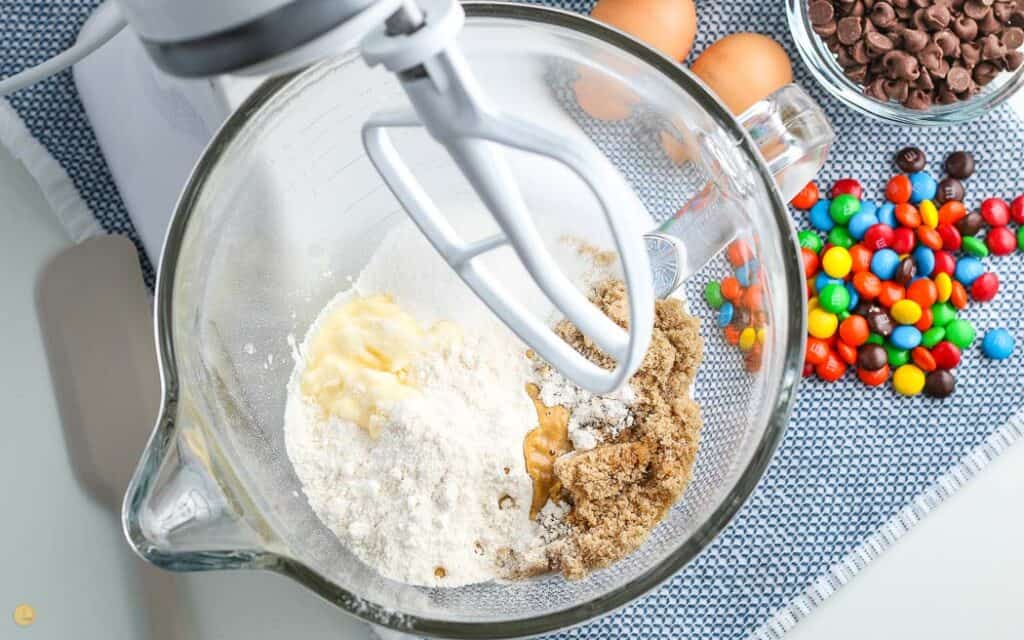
(944, 286)
(908, 380)
(929, 214)
(905, 311)
(837, 262)
(821, 323)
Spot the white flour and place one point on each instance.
(592, 419)
(434, 497)
(431, 491)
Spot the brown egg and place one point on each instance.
(666, 25)
(602, 96)
(743, 68)
(678, 142)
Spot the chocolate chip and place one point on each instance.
(826, 31)
(1013, 60)
(948, 42)
(858, 74)
(883, 15)
(1003, 10)
(965, 28)
(918, 100)
(931, 57)
(992, 48)
(984, 73)
(925, 82)
(872, 357)
(936, 17)
(970, 224)
(949, 189)
(914, 41)
(960, 165)
(1013, 38)
(849, 30)
(977, 9)
(845, 58)
(989, 24)
(860, 52)
(970, 54)
(970, 93)
(876, 89)
(939, 72)
(1016, 19)
(911, 160)
(878, 44)
(820, 12)
(945, 96)
(939, 383)
(958, 79)
(900, 65)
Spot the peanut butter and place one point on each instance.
(542, 446)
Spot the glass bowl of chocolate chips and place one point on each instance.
(916, 62)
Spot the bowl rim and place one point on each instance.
(826, 71)
(775, 418)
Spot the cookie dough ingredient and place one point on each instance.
(443, 488)
(743, 68)
(542, 446)
(924, 53)
(620, 490)
(357, 362)
(623, 487)
(667, 25)
(592, 419)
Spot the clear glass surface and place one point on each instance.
(284, 206)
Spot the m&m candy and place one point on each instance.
(922, 187)
(996, 212)
(1001, 241)
(887, 280)
(985, 287)
(998, 344)
(908, 380)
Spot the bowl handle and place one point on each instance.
(793, 135)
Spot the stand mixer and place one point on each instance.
(214, 489)
(416, 41)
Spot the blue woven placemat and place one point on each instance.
(857, 466)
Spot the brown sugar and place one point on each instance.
(622, 488)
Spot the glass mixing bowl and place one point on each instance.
(284, 207)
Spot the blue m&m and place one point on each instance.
(998, 344)
(820, 217)
(968, 269)
(884, 263)
(922, 187)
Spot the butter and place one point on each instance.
(357, 364)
